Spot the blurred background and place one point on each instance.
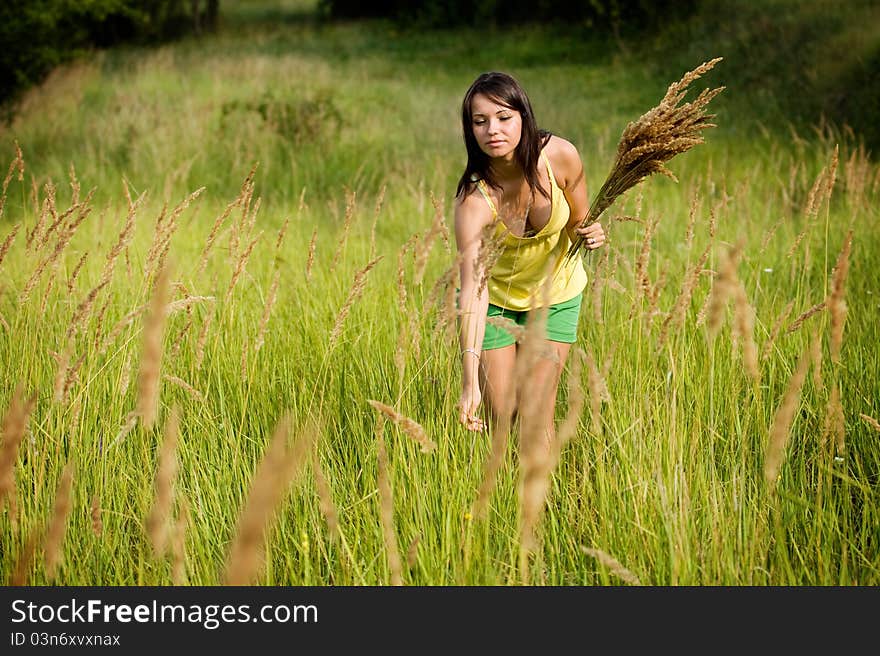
(791, 66)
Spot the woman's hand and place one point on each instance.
(468, 406)
(593, 235)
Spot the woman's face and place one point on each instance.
(497, 128)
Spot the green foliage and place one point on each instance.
(37, 35)
(297, 120)
(437, 13)
(803, 59)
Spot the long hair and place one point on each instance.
(504, 90)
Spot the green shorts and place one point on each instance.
(562, 323)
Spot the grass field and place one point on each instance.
(217, 252)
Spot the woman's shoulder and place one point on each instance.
(561, 151)
(564, 157)
(471, 206)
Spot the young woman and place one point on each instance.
(525, 188)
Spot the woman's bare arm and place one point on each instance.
(472, 215)
(569, 170)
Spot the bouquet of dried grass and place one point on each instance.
(656, 137)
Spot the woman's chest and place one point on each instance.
(526, 214)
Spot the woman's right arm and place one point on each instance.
(472, 215)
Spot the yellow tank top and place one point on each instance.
(519, 272)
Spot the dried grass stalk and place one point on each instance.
(444, 295)
(811, 210)
(782, 421)
(613, 565)
(17, 163)
(178, 543)
(744, 325)
(438, 227)
(412, 553)
(61, 373)
(57, 527)
(768, 234)
(600, 281)
(25, 561)
(158, 520)
(13, 430)
(816, 358)
(311, 259)
(836, 299)
(281, 232)
(797, 323)
(164, 232)
(678, 312)
(269, 486)
(7, 243)
(127, 426)
(491, 248)
(34, 237)
(536, 447)
(71, 281)
(71, 378)
(350, 198)
(119, 327)
(873, 423)
(643, 281)
(83, 310)
(240, 266)
(500, 434)
(151, 352)
(267, 310)
(409, 426)
(379, 200)
(507, 324)
(386, 506)
(598, 392)
(203, 258)
(123, 239)
(692, 219)
(325, 498)
(357, 288)
(52, 260)
(656, 137)
(401, 273)
(723, 286)
(245, 197)
(774, 331)
(95, 516)
(568, 427)
(833, 429)
(400, 351)
(202, 339)
(186, 303)
(176, 345)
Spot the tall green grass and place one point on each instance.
(671, 484)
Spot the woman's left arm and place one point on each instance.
(569, 170)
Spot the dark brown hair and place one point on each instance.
(504, 90)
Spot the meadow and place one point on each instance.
(215, 254)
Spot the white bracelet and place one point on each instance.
(470, 350)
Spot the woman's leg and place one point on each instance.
(497, 382)
(500, 389)
(544, 381)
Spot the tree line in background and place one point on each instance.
(36, 35)
(612, 14)
(810, 59)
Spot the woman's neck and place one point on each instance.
(506, 170)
